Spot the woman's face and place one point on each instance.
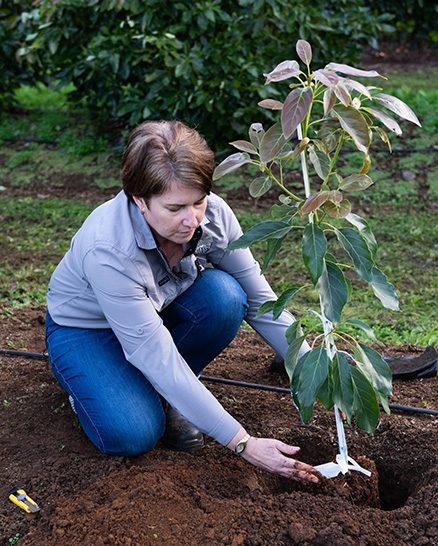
(176, 214)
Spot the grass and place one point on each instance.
(37, 233)
(36, 230)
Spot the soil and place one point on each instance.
(210, 497)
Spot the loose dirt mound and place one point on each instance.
(211, 497)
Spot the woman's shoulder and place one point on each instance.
(109, 224)
(217, 206)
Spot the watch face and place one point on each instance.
(240, 448)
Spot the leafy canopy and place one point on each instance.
(324, 110)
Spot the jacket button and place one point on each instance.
(140, 330)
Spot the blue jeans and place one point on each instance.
(118, 408)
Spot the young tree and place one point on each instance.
(326, 108)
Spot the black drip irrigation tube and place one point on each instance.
(234, 383)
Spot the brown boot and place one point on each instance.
(180, 435)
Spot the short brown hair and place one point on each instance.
(160, 153)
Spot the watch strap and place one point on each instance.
(241, 444)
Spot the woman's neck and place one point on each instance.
(174, 252)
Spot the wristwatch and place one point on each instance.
(240, 446)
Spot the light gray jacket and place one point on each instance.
(114, 276)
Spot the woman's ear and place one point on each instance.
(140, 202)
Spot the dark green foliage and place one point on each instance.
(412, 18)
(13, 29)
(196, 61)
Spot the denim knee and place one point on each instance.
(230, 299)
(128, 442)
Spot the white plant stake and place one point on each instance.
(326, 108)
(330, 469)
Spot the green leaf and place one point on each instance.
(261, 232)
(265, 307)
(375, 369)
(306, 413)
(278, 212)
(354, 123)
(362, 225)
(384, 401)
(230, 164)
(330, 135)
(272, 247)
(291, 356)
(313, 373)
(363, 326)
(114, 61)
(321, 163)
(397, 106)
(333, 291)
(283, 301)
(314, 248)
(304, 51)
(357, 248)
(295, 109)
(324, 394)
(293, 331)
(384, 290)
(272, 142)
(260, 186)
(330, 258)
(342, 385)
(365, 405)
(356, 182)
(277, 306)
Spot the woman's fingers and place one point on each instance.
(298, 471)
(270, 455)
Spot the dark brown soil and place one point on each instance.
(210, 497)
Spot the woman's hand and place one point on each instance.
(271, 456)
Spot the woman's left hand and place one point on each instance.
(274, 456)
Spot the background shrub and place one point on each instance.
(413, 19)
(16, 67)
(199, 61)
